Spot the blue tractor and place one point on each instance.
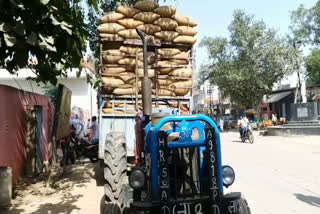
(179, 168)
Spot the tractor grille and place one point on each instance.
(184, 173)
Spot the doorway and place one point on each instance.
(38, 126)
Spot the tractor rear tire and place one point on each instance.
(115, 172)
(244, 207)
(111, 208)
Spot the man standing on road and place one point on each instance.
(242, 123)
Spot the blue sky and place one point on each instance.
(214, 16)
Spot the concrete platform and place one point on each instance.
(294, 129)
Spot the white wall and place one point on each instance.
(83, 95)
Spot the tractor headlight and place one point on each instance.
(228, 175)
(137, 179)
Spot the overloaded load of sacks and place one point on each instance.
(174, 75)
(158, 23)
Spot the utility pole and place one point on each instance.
(297, 97)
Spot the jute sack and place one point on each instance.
(151, 72)
(129, 23)
(184, 20)
(165, 11)
(166, 63)
(126, 76)
(130, 50)
(147, 17)
(110, 37)
(149, 29)
(115, 70)
(109, 111)
(163, 92)
(112, 82)
(149, 55)
(181, 88)
(112, 28)
(182, 55)
(164, 71)
(168, 51)
(166, 24)
(129, 34)
(152, 39)
(182, 72)
(179, 61)
(124, 91)
(181, 91)
(150, 61)
(165, 82)
(181, 84)
(186, 31)
(107, 104)
(146, 5)
(167, 36)
(107, 90)
(111, 17)
(127, 61)
(159, 106)
(129, 12)
(114, 52)
(185, 40)
(111, 59)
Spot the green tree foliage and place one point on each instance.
(53, 32)
(246, 66)
(52, 92)
(313, 68)
(306, 24)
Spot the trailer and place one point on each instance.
(122, 109)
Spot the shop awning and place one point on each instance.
(272, 98)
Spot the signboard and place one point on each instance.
(61, 127)
(302, 112)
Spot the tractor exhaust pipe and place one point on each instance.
(146, 83)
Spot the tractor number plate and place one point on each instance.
(185, 208)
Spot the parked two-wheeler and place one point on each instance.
(84, 148)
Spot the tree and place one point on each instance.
(313, 68)
(306, 24)
(246, 66)
(52, 92)
(53, 32)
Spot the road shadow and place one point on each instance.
(78, 175)
(312, 200)
(65, 206)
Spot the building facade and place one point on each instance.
(84, 97)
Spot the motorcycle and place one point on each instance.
(248, 135)
(84, 148)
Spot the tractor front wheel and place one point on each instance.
(244, 207)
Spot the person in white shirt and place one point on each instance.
(94, 130)
(78, 126)
(242, 123)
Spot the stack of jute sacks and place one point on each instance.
(122, 62)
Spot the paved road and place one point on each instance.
(277, 175)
